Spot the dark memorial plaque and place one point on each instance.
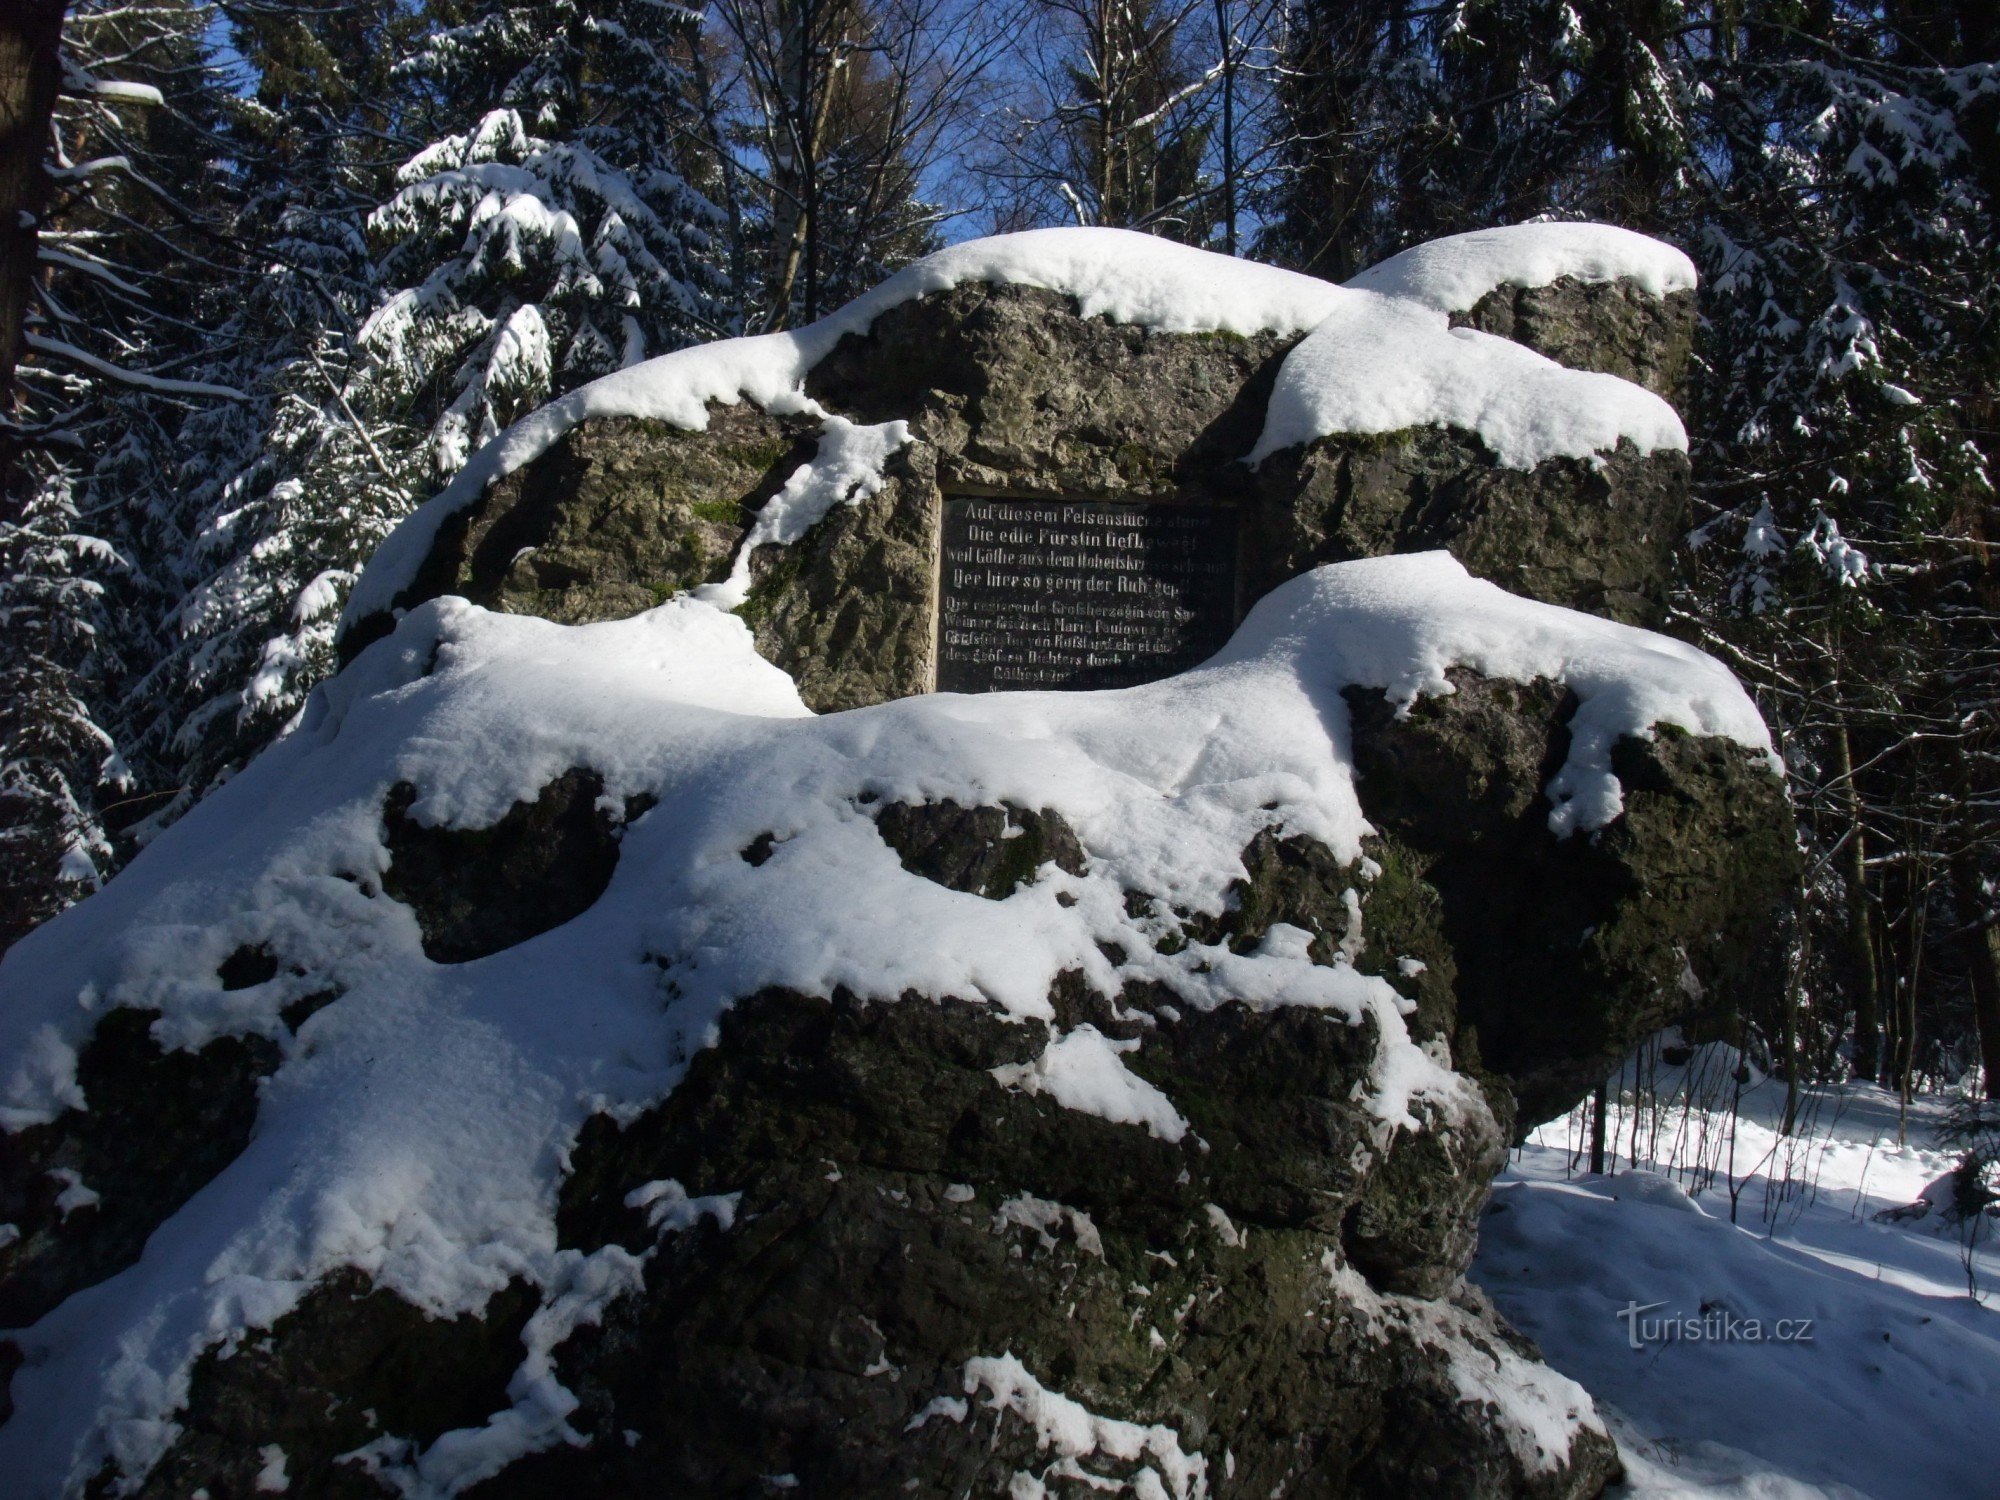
(1079, 594)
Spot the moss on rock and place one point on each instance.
(1568, 951)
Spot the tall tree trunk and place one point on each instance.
(1794, 979)
(809, 152)
(1982, 962)
(1108, 86)
(30, 44)
(1863, 971)
(740, 272)
(814, 38)
(1599, 1108)
(1906, 1037)
(1225, 35)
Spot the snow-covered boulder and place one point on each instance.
(803, 475)
(1561, 951)
(567, 1065)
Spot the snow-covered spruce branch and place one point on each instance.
(160, 384)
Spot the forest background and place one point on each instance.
(270, 272)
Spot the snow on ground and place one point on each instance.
(1890, 1393)
(1380, 356)
(443, 1187)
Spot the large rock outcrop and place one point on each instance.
(924, 1099)
(567, 1065)
(1010, 389)
(620, 516)
(1564, 952)
(915, 1268)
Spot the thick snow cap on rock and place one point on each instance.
(1401, 623)
(417, 1124)
(1385, 364)
(1114, 273)
(1388, 358)
(1453, 274)
(1381, 355)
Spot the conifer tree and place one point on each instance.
(1849, 450)
(461, 221)
(241, 635)
(548, 237)
(1832, 167)
(113, 360)
(53, 753)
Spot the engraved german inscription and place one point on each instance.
(1080, 594)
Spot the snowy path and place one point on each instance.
(1892, 1397)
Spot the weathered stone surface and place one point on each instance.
(1009, 392)
(1544, 960)
(1568, 951)
(1611, 326)
(349, 1365)
(846, 610)
(1598, 537)
(1019, 395)
(1201, 1285)
(618, 516)
(987, 851)
(1281, 1287)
